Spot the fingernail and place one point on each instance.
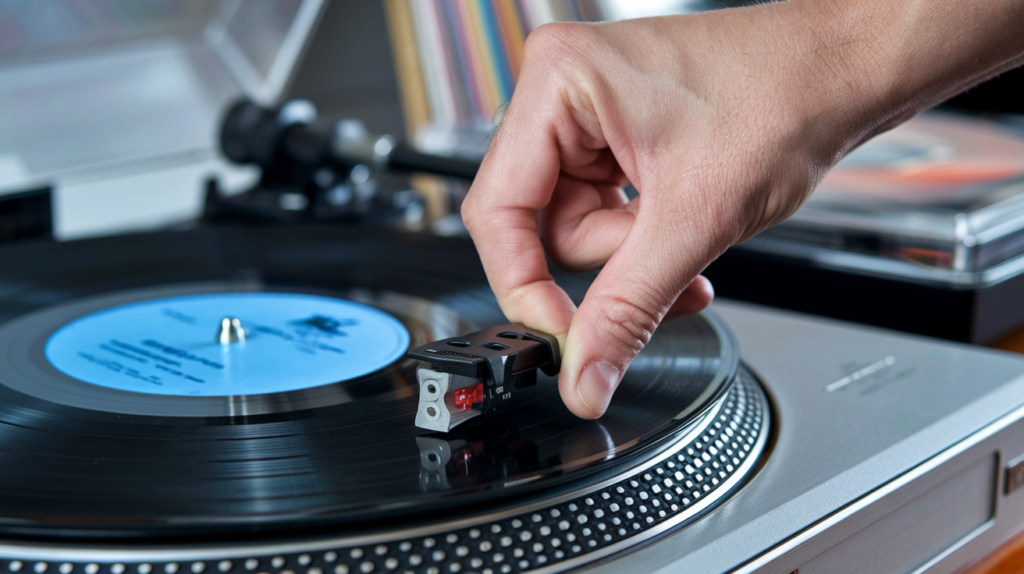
(596, 384)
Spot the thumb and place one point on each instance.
(637, 287)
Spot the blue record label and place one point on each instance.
(170, 346)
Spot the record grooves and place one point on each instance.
(103, 441)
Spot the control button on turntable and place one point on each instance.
(66, 568)
(15, 566)
(1014, 474)
(40, 567)
(117, 568)
(224, 565)
(198, 567)
(169, 568)
(278, 561)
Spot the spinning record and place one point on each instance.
(226, 382)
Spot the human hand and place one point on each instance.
(724, 122)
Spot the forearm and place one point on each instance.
(831, 72)
(905, 56)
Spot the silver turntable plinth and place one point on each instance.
(891, 456)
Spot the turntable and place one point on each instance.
(238, 399)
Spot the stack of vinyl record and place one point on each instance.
(470, 51)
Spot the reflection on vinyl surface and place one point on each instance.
(105, 462)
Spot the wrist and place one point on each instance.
(886, 61)
(846, 91)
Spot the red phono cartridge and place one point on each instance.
(478, 373)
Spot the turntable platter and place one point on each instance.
(109, 430)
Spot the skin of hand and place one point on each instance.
(724, 122)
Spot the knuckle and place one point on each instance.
(556, 49)
(559, 245)
(568, 260)
(546, 40)
(469, 219)
(468, 210)
(566, 253)
(628, 323)
(483, 223)
(474, 211)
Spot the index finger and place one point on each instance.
(515, 181)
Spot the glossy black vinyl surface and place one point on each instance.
(97, 462)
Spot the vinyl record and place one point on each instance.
(122, 416)
(933, 159)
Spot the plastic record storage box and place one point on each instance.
(921, 229)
